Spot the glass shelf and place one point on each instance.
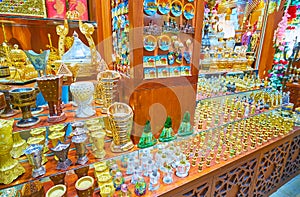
(22, 21)
(203, 73)
(51, 164)
(230, 94)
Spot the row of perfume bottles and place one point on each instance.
(218, 86)
(209, 148)
(202, 150)
(222, 110)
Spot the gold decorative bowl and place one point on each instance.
(85, 186)
(57, 191)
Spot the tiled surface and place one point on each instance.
(290, 189)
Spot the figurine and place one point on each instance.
(147, 138)
(167, 133)
(118, 181)
(185, 126)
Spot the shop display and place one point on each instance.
(170, 38)
(24, 98)
(10, 169)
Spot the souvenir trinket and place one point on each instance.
(140, 187)
(81, 150)
(121, 118)
(24, 98)
(34, 154)
(83, 96)
(164, 6)
(53, 84)
(85, 186)
(185, 127)
(82, 171)
(59, 190)
(147, 138)
(10, 168)
(61, 152)
(150, 7)
(176, 8)
(164, 42)
(167, 133)
(118, 181)
(189, 11)
(19, 145)
(58, 178)
(150, 43)
(154, 181)
(168, 177)
(182, 168)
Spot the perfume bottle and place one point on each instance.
(154, 181)
(140, 187)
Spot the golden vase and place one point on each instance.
(10, 169)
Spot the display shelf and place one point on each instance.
(51, 164)
(16, 83)
(23, 21)
(239, 120)
(199, 98)
(194, 174)
(203, 73)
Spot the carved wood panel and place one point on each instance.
(270, 169)
(293, 161)
(236, 182)
(202, 190)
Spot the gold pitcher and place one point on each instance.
(10, 169)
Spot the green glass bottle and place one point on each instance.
(185, 128)
(147, 138)
(167, 133)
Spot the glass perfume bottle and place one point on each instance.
(154, 181)
(168, 177)
(140, 187)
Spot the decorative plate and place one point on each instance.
(189, 11)
(150, 43)
(164, 42)
(176, 8)
(150, 7)
(164, 6)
